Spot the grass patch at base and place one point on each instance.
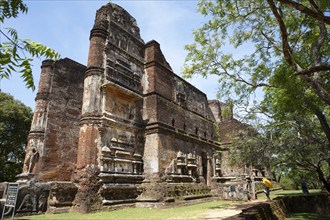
(298, 192)
(175, 212)
(196, 211)
(279, 193)
(308, 216)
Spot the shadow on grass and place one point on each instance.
(224, 206)
(308, 216)
(234, 206)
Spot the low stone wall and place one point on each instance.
(173, 192)
(319, 204)
(61, 196)
(282, 207)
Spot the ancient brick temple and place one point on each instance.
(124, 129)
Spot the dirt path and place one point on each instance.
(222, 213)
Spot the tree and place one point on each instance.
(251, 150)
(16, 54)
(294, 146)
(300, 145)
(15, 123)
(286, 46)
(266, 33)
(292, 179)
(299, 128)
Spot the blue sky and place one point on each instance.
(65, 27)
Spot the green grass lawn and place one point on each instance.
(280, 193)
(296, 192)
(308, 216)
(196, 211)
(192, 211)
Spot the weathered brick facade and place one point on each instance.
(55, 126)
(125, 128)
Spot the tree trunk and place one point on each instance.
(323, 122)
(326, 183)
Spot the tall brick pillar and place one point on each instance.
(88, 198)
(153, 58)
(159, 80)
(35, 151)
(91, 107)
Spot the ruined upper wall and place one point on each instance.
(120, 17)
(215, 107)
(221, 111)
(123, 50)
(115, 60)
(161, 80)
(55, 127)
(172, 101)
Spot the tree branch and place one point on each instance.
(284, 33)
(318, 43)
(318, 89)
(314, 69)
(13, 42)
(237, 78)
(323, 121)
(303, 9)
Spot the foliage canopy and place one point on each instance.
(281, 48)
(263, 34)
(15, 123)
(16, 54)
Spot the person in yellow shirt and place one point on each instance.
(268, 186)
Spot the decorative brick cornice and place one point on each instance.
(158, 95)
(91, 118)
(158, 127)
(98, 32)
(94, 70)
(110, 119)
(36, 134)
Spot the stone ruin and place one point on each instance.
(124, 130)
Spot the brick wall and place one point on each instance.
(58, 158)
